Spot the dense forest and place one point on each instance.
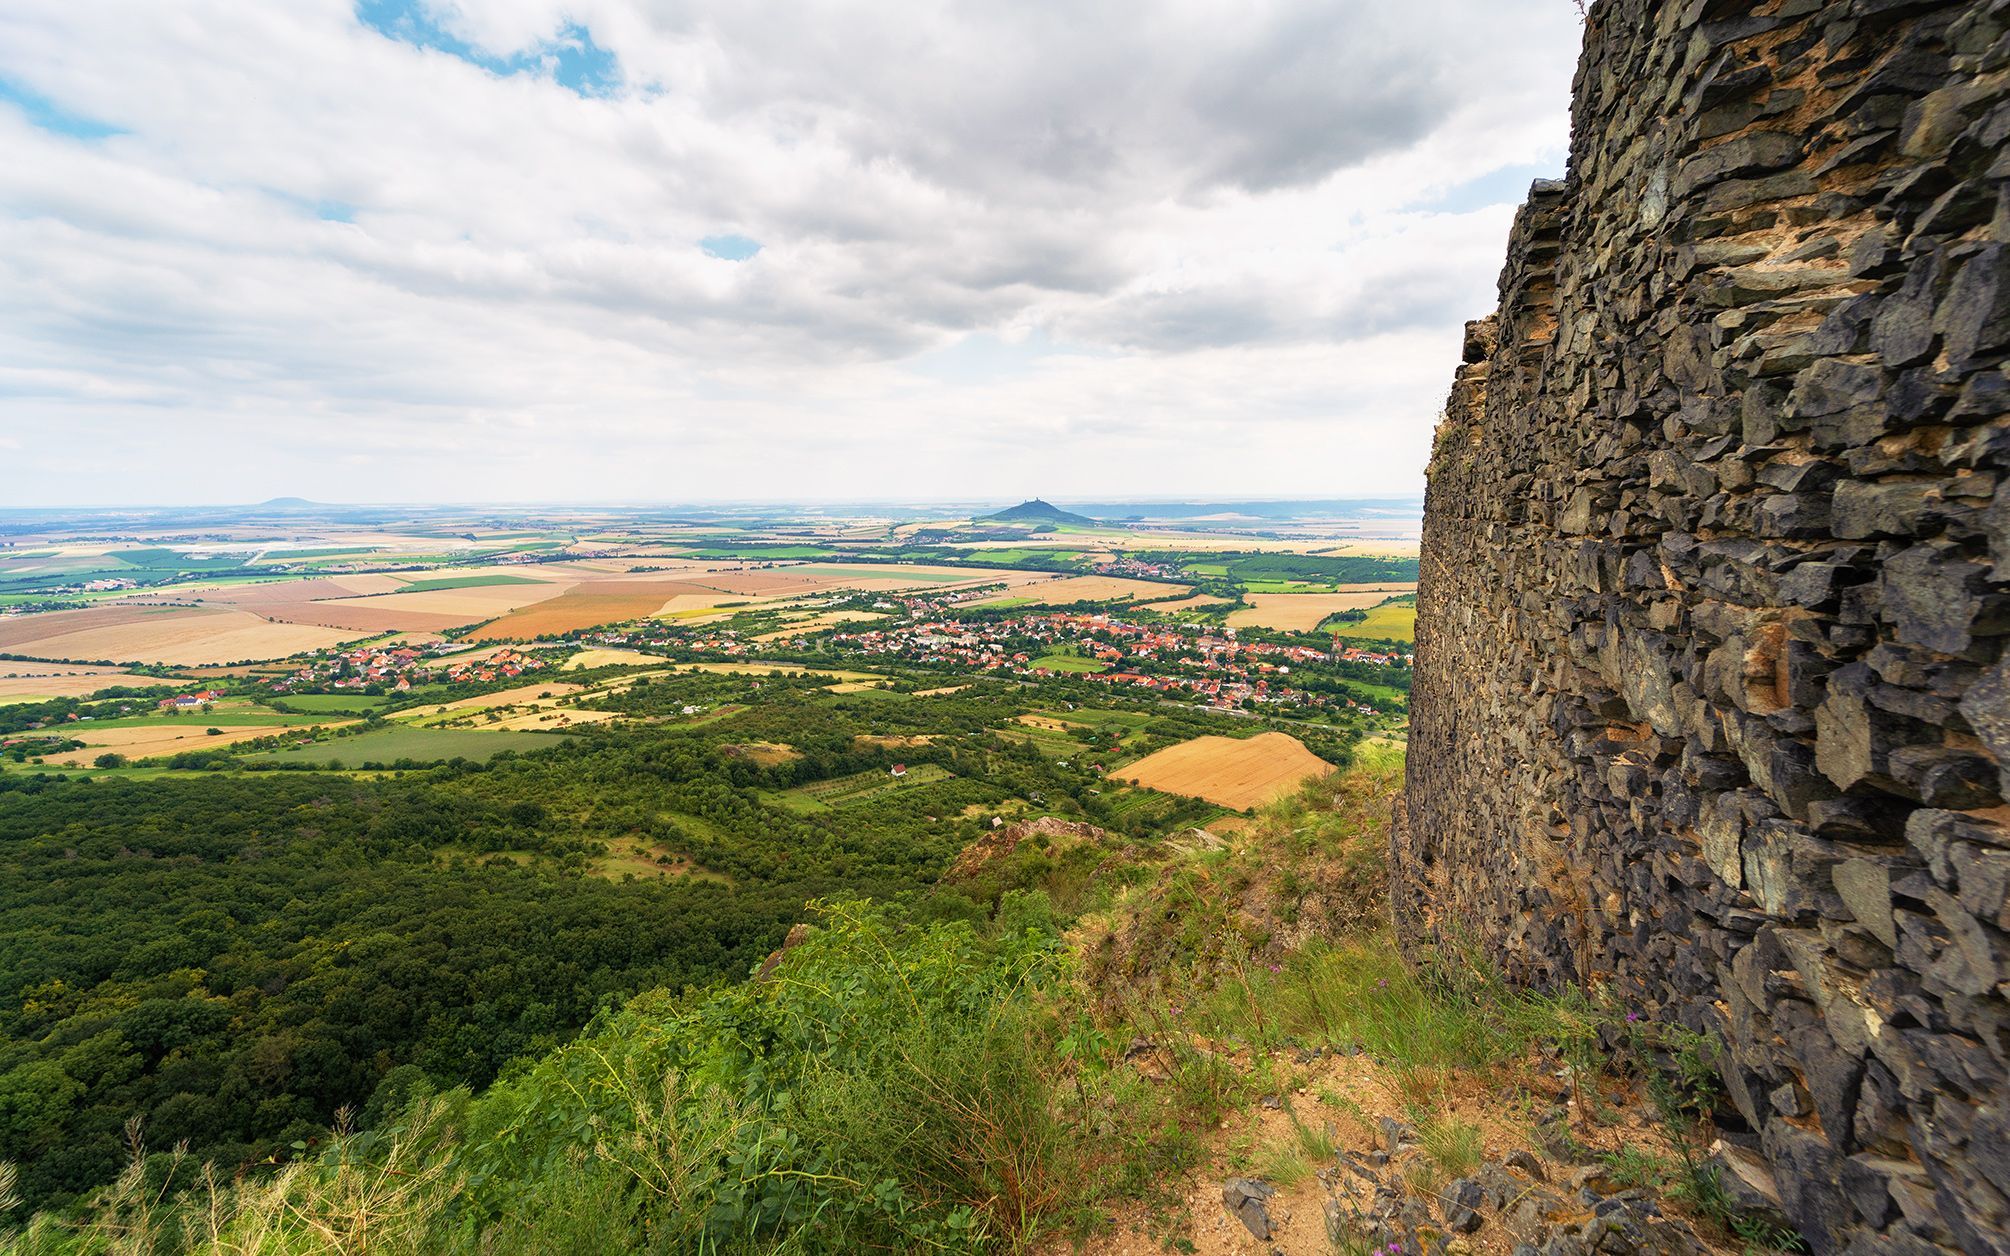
(235, 955)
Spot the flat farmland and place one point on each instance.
(358, 619)
(588, 606)
(1051, 592)
(157, 739)
(466, 604)
(152, 634)
(1235, 773)
(1303, 612)
(1184, 603)
(912, 575)
(1395, 622)
(548, 691)
(27, 682)
(611, 658)
(817, 623)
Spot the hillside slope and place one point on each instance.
(1036, 510)
(1078, 1041)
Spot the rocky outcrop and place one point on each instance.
(1712, 709)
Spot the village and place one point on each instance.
(398, 668)
(1204, 663)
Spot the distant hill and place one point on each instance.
(1330, 508)
(287, 503)
(1038, 511)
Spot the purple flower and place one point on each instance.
(1276, 969)
(1382, 984)
(1631, 1017)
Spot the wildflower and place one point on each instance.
(1631, 1017)
(1276, 968)
(1382, 984)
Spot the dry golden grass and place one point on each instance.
(1233, 772)
(762, 753)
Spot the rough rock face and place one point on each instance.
(1712, 706)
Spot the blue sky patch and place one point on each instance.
(734, 248)
(1506, 186)
(50, 116)
(570, 58)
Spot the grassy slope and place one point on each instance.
(1069, 1046)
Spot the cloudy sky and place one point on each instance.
(689, 250)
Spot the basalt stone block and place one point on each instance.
(1986, 707)
(1932, 596)
(1975, 317)
(1870, 508)
(1711, 700)
(1865, 888)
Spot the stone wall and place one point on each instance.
(1712, 709)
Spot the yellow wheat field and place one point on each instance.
(1233, 772)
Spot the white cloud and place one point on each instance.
(1211, 220)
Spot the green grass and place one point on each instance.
(843, 791)
(1285, 586)
(219, 718)
(1454, 1146)
(335, 703)
(1095, 717)
(1045, 740)
(426, 745)
(1360, 993)
(1069, 663)
(1391, 621)
(1012, 601)
(463, 582)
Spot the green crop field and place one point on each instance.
(230, 716)
(335, 703)
(428, 745)
(1391, 621)
(1070, 663)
